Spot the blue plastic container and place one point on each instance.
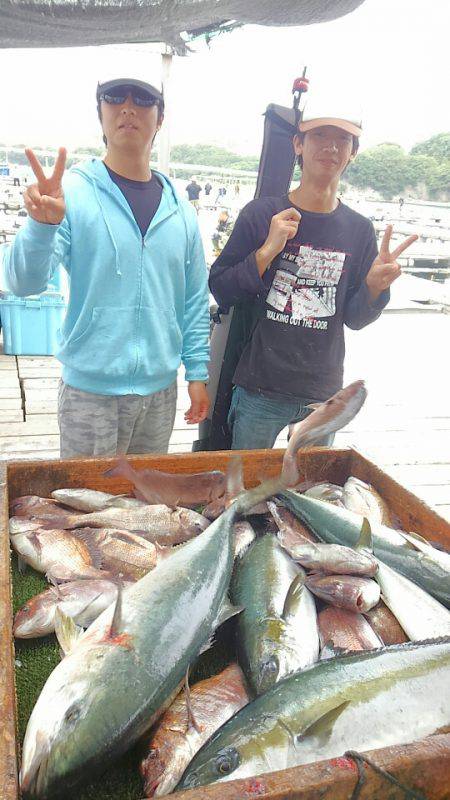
(30, 324)
(55, 283)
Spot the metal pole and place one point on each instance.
(164, 134)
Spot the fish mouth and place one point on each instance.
(33, 782)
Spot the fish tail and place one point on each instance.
(290, 474)
(234, 478)
(123, 469)
(246, 501)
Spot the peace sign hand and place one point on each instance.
(385, 269)
(44, 200)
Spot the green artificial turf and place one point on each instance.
(35, 660)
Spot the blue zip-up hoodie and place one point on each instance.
(138, 306)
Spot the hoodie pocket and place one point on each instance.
(119, 342)
(160, 341)
(107, 346)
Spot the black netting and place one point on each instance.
(70, 23)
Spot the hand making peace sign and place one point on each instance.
(385, 269)
(44, 200)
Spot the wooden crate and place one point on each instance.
(422, 765)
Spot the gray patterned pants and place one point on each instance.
(104, 425)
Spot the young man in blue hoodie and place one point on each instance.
(138, 303)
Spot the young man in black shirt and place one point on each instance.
(311, 264)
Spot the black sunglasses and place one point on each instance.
(118, 94)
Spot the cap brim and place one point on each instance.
(344, 124)
(108, 85)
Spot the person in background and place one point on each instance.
(138, 303)
(208, 188)
(193, 191)
(309, 265)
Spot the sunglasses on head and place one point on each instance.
(118, 94)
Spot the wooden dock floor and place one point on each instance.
(404, 426)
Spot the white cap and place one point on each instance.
(328, 114)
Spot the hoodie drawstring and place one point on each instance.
(118, 272)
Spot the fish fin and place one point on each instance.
(54, 588)
(89, 603)
(208, 644)
(226, 611)
(59, 522)
(139, 496)
(416, 541)
(322, 728)
(234, 477)
(314, 406)
(66, 631)
(22, 565)
(292, 742)
(191, 721)
(365, 541)
(85, 535)
(330, 650)
(294, 596)
(251, 497)
(116, 622)
(112, 500)
(121, 470)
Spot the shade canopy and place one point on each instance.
(71, 23)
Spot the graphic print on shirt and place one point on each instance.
(304, 287)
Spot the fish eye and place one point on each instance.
(227, 761)
(73, 713)
(270, 667)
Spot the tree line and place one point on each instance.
(423, 173)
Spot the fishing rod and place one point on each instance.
(300, 87)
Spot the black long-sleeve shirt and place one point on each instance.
(304, 299)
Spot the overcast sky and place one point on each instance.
(389, 59)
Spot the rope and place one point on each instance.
(360, 760)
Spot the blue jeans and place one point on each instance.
(255, 421)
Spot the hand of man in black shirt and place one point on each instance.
(283, 226)
(385, 269)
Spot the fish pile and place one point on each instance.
(342, 624)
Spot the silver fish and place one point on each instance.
(326, 418)
(419, 614)
(291, 531)
(174, 741)
(334, 558)
(277, 629)
(342, 630)
(59, 554)
(31, 505)
(174, 489)
(83, 601)
(157, 523)
(122, 553)
(352, 592)
(358, 702)
(129, 664)
(362, 498)
(244, 535)
(91, 500)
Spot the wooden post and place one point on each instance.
(164, 134)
